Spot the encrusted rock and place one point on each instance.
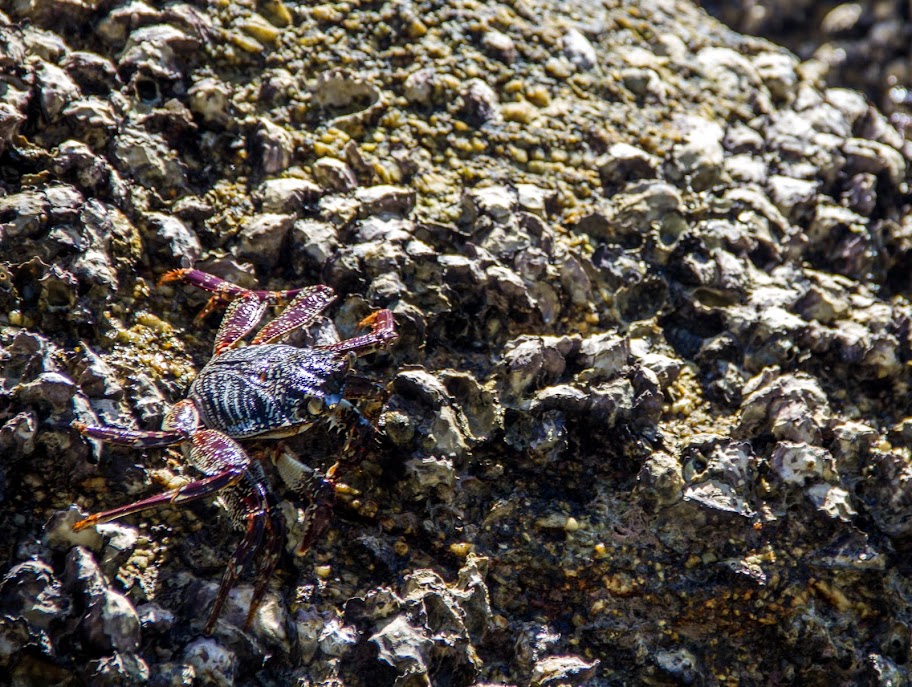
(263, 237)
(334, 175)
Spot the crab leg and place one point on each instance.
(189, 492)
(272, 550)
(247, 503)
(382, 335)
(226, 466)
(224, 292)
(302, 311)
(241, 316)
(313, 486)
(178, 425)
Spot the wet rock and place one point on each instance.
(887, 493)
(791, 407)
(146, 400)
(334, 175)
(726, 482)
(833, 501)
(478, 103)
(109, 622)
(497, 202)
(17, 435)
(120, 21)
(603, 355)
(429, 475)
(95, 75)
(175, 237)
(314, 242)
(433, 631)
(700, 156)
(55, 88)
(271, 147)
(59, 532)
(623, 163)
(680, 665)
(562, 670)
(404, 647)
(579, 50)
(153, 52)
(419, 87)
(211, 662)
(336, 639)
(119, 670)
(420, 411)
(792, 196)
(500, 45)
(31, 591)
(536, 361)
(534, 199)
(660, 479)
(308, 625)
(48, 389)
(210, 99)
(779, 73)
(355, 98)
(287, 196)
(146, 158)
(801, 464)
(154, 618)
(873, 157)
(263, 237)
(386, 199)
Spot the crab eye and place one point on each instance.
(315, 406)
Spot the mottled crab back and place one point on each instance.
(271, 390)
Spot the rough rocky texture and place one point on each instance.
(865, 45)
(647, 420)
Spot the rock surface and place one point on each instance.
(649, 407)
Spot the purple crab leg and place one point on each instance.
(249, 499)
(224, 292)
(178, 425)
(301, 312)
(216, 455)
(226, 467)
(382, 334)
(130, 437)
(189, 492)
(269, 558)
(241, 316)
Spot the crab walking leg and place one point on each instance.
(130, 437)
(312, 485)
(242, 315)
(301, 312)
(216, 455)
(245, 311)
(382, 335)
(271, 551)
(189, 492)
(247, 504)
(178, 425)
(223, 292)
(226, 466)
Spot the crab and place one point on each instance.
(262, 390)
